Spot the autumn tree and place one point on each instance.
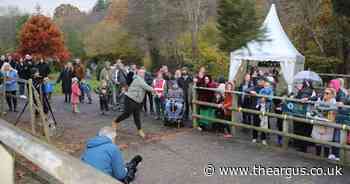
(42, 38)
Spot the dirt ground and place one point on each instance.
(174, 155)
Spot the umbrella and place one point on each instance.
(307, 75)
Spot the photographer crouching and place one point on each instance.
(102, 154)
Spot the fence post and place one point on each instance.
(285, 132)
(343, 142)
(3, 97)
(195, 106)
(30, 105)
(43, 117)
(233, 117)
(7, 165)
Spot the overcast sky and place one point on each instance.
(48, 6)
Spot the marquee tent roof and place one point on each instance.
(276, 47)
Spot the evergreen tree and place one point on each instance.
(341, 7)
(237, 23)
(101, 5)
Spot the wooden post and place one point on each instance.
(286, 131)
(3, 97)
(195, 106)
(234, 118)
(30, 105)
(42, 114)
(343, 142)
(7, 166)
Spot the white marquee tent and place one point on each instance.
(275, 47)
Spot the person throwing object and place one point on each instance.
(133, 101)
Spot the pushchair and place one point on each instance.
(174, 106)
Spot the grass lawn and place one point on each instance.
(57, 87)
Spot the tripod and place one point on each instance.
(45, 101)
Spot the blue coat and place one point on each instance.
(11, 85)
(105, 156)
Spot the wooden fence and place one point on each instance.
(287, 122)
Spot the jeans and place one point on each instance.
(173, 109)
(11, 100)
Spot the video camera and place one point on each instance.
(132, 169)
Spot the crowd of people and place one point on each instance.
(14, 69)
(167, 96)
(325, 104)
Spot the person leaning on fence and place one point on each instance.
(254, 105)
(10, 76)
(305, 92)
(326, 109)
(133, 101)
(226, 106)
(244, 101)
(102, 153)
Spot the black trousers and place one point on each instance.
(104, 103)
(247, 118)
(187, 107)
(11, 100)
(302, 129)
(256, 122)
(150, 98)
(131, 107)
(67, 97)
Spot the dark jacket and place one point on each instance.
(44, 69)
(130, 78)
(254, 99)
(148, 78)
(184, 83)
(105, 156)
(245, 100)
(66, 78)
(25, 70)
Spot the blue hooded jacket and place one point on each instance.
(105, 156)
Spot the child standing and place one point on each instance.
(48, 88)
(76, 93)
(102, 92)
(86, 88)
(159, 87)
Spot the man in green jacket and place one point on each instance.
(133, 101)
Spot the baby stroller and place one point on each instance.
(174, 106)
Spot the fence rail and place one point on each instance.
(65, 168)
(287, 122)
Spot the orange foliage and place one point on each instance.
(42, 38)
